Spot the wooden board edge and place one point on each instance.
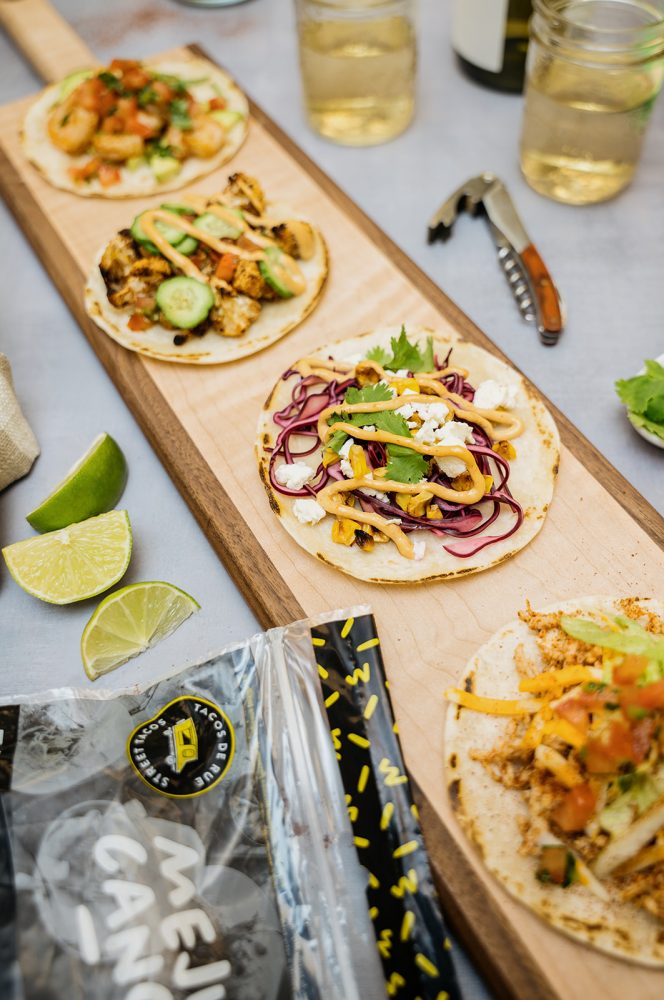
(577, 443)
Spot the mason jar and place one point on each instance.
(358, 67)
(593, 72)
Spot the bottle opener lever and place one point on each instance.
(532, 286)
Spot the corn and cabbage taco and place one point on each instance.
(208, 279)
(555, 765)
(135, 128)
(404, 457)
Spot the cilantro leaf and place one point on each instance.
(179, 114)
(643, 395)
(632, 637)
(113, 82)
(392, 422)
(378, 354)
(173, 82)
(377, 393)
(407, 466)
(336, 441)
(147, 95)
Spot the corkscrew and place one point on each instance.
(532, 286)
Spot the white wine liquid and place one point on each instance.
(359, 78)
(584, 126)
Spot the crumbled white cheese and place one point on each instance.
(427, 411)
(347, 468)
(451, 466)
(419, 548)
(454, 432)
(490, 394)
(293, 475)
(372, 493)
(308, 511)
(370, 427)
(402, 373)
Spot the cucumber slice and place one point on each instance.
(178, 209)
(215, 226)
(227, 118)
(172, 234)
(188, 245)
(185, 302)
(267, 268)
(165, 168)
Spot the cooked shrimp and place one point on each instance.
(118, 146)
(72, 128)
(205, 138)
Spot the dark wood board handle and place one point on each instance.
(49, 44)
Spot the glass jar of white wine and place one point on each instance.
(358, 67)
(594, 70)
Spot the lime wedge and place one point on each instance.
(93, 486)
(131, 620)
(74, 563)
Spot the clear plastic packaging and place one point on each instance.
(197, 839)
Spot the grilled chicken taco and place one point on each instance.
(209, 279)
(135, 128)
(403, 457)
(555, 761)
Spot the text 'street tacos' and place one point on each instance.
(405, 456)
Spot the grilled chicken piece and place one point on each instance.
(286, 238)
(248, 280)
(234, 314)
(145, 275)
(117, 258)
(245, 192)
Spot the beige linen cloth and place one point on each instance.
(18, 445)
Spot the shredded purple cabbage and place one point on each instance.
(299, 418)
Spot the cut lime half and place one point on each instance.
(93, 486)
(130, 621)
(74, 563)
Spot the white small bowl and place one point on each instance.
(652, 438)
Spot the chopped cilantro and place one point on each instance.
(377, 393)
(593, 686)
(179, 114)
(147, 95)
(636, 712)
(611, 706)
(113, 82)
(409, 467)
(159, 149)
(336, 441)
(172, 81)
(404, 355)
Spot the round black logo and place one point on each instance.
(185, 749)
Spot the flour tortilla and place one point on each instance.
(489, 813)
(53, 163)
(531, 481)
(276, 319)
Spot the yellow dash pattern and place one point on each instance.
(335, 738)
(407, 883)
(392, 776)
(322, 672)
(348, 624)
(404, 849)
(385, 942)
(415, 811)
(394, 984)
(353, 811)
(368, 644)
(395, 728)
(373, 912)
(407, 924)
(447, 944)
(443, 995)
(362, 673)
(361, 841)
(386, 816)
(373, 882)
(359, 741)
(371, 706)
(425, 965)
(318, 642)
(332, 698)
(363, 778)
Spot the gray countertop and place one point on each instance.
(608, 261)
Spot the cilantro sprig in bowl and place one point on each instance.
(643, 395)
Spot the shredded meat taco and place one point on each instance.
(407, 456)
(555, 762)
(134, 128)
(209, 279)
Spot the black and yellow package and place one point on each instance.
(242, 829)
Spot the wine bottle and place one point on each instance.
(490, 39)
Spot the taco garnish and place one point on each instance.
(134, 127)
(400, 442)
(209, 266)
(567, 740)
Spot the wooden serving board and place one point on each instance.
(600, 535)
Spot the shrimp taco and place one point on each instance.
(135, 128)
(400, 457)
(555, 765)
(210, 279)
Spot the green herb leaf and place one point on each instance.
(377, 393)
(405, 355)
(113, 82)
(643, 395)
(632, 638)
(406, 466)
(172, 81)
(147, 95)
(159, 149)
(179, 114)
(336, 441)
(378, 354)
